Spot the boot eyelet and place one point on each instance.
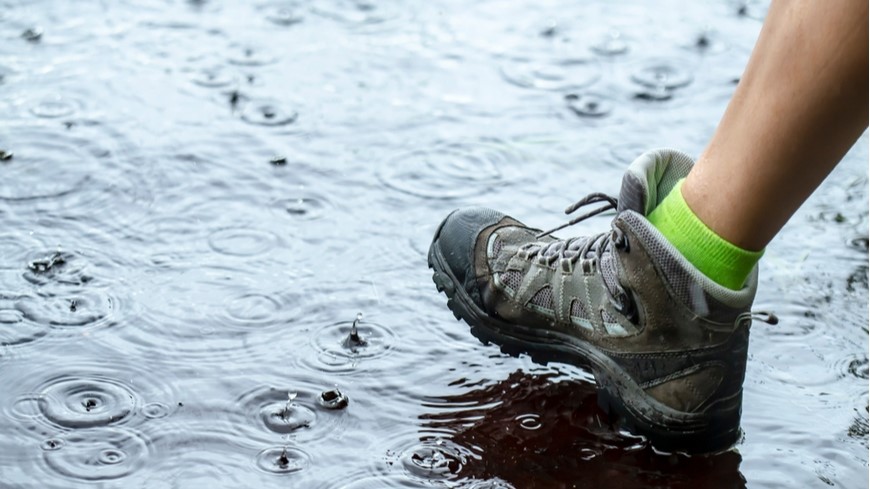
(620, 240)
(624, 304)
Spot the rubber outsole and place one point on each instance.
(618, 396)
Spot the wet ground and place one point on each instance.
(197, 198)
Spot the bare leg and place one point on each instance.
(800, 105)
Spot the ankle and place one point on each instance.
(720, 260)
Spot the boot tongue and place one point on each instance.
(650, 177)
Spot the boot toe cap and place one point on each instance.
(456, 241)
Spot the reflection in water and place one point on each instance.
(542, 430)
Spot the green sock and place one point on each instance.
(724, 263)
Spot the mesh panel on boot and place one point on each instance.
(543, 298)
(685, 283)
(512, 279)
(607, 317)
(496, 246)
(578, 310)
(607, 266)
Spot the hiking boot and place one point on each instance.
(666, 344)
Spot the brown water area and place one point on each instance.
(213, 224)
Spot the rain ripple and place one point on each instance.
(84, 402)
(358, 13)
(268, 113)
(99, 454)
(451, 171)
(15, 327)
(341, 346)
(559, 74)
(282, 460)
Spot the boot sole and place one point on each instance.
(619, 396)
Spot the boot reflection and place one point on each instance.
(545, 431)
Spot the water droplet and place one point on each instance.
(156, 410)
(589, 104)
(284, 16)
(278, 160)
(282, 460)
(86, 402)
(267, 113)
(662, 73)
(435, 459)
(611, 45)
(44, 265)
(333, 399)
(52, 444)
(354, 340)
(32, 34)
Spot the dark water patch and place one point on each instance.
(282, 460)
(268, 113)
(558, 74)
(537, 430)
(451, 171)
(99, 454)
(486, 484)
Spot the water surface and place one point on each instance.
(203, 195)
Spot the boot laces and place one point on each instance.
(581, 247)
(597, 245)
(593, 247)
